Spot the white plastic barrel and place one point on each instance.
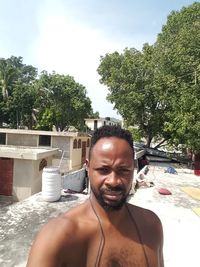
(51, 184)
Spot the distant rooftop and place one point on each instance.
(38, 132)
(20, 152)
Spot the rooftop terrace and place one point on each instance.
(19, 222)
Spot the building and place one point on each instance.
(24, 154)
(94, 124)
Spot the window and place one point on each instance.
(43, 163)
(95, 124)
(44, 140)
(79, 143)
(75, 143)
(2, 138)
(88, 142)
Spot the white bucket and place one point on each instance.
(51, 184)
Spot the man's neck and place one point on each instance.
(108, 216)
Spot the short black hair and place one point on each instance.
(111, 131)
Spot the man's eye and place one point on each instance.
(124, 171)
(103, 170)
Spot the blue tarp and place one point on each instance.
(171, 170)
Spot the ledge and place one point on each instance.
(31, 153)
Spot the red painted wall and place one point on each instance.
(6, 176)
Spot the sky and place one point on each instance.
(70, 36)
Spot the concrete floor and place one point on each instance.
(19, 222)
(181, 225)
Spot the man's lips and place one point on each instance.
(113, 195)
(113, 192)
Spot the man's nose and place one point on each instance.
(113, 179)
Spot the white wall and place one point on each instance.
(90, 124)
(22, 139)
(77, 153)
(61, 142)
(23, 174)
(76, 159)
(27, 178)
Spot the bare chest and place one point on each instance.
(118, 249)
(123, 253)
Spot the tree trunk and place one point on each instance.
(4, 90)
(158, 145)
(149, 139)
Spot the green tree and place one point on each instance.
(157, 88)
(16, 100)
(13, 70)
(94, 115)
(178, 57)
(8, 75)
(21, 106)
(133, 84)
(61, 102)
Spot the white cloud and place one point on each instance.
(71, 48)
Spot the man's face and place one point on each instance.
(110, 169)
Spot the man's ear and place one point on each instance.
(87, 164)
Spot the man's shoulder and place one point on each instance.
(69, 231)
(148, 224)
(68, 226)
(144, 216)
(76, 217)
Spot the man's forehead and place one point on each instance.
(108, 143)
(109, 139)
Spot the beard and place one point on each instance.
(110, 205)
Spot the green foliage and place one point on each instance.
(21, 105)
(137, 136)
(61, 102)
(178, 55)
(158, 88)
(40, 103)
(94, 115)
(12, 70)
(46, 121)
(18, 96)
(134, 88)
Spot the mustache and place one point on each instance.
(112, 189)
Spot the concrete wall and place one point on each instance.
(63, 143)
(37, 179)
(90, 123)
(64, 164)
(76, 153)
(72, 159)
(23, 174)
(100, 123)
(76, 159)
(27, 178)
(22, 140)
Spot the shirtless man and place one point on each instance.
(105, 231)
